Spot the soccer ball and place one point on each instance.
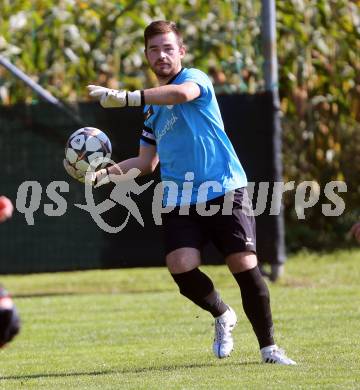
(86, 146)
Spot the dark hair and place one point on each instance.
(161, 27)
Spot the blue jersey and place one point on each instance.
(194, 151)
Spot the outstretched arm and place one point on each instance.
(165, 95)
(172, 94)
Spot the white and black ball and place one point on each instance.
(86, 146)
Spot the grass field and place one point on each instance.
(130, 329)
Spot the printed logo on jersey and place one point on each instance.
(167, 127)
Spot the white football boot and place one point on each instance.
(273, 354)
(223, 341)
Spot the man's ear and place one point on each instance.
(182, 51)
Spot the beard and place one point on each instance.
(164, 70)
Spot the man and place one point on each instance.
(183, 130)
(355, 231)
(9, 319)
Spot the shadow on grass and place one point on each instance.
(42, 295)
(92, 292)
(128, 371)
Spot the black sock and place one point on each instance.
(256, 303)
(199, 288)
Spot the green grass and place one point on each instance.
(130, 329)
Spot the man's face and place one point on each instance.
(164, 55)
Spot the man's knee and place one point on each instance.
(241, 261)
(183, 260)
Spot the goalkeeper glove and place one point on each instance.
(110, 98)
(92, 178)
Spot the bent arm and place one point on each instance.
(172, 94)
(146, 162)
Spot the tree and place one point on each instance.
(67, 44)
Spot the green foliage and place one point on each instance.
(70, 43)
(318, 50)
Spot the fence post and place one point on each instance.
(268, 26)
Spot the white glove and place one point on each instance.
(94, 179)
(110, 98)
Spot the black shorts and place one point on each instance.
(231, 229)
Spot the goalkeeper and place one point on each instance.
(183, 129)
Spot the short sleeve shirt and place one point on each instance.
(197, 160)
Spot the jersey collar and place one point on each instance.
(174, 77)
